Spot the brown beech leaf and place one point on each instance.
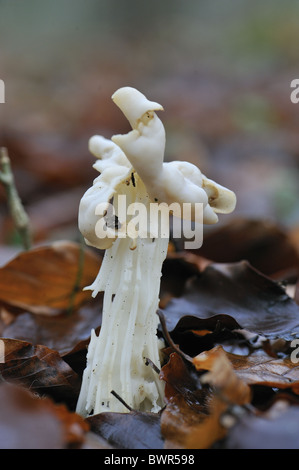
(178, 421)
(61, 332)
(133, 430)
(29, 422)
(254, 240)
(222, 376)
(40, 370)
(229, 391)
(217, 329)
(261, 369)
(253, 302)
(193, 415)
(48, 279)
(181, 380)
(185, 402)
(177, 268)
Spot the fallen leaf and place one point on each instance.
(40, 370)
(229, 390)
(48, 279)
(185, 402)
(177, 268)
(193, 415)
(253, 302)
(181, 380)
(61, 332)
(222, 376)
(264, 244)
(133, 430)
(260, 369)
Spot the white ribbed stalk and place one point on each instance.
(128, 335)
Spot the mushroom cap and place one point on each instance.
(221, 199)
(168, 182)
(142, 150)
(134, 104)
(115, 169)
(108, 153)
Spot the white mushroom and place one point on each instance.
(132, 165)
(115, 169)
(180, 182)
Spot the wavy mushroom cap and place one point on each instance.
(221, 199)
(134, 104)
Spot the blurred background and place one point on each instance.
(222, 70)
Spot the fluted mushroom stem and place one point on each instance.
(116, 358)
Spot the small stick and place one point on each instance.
(15, 205)
(148, 362)
(169, 339)
(116, 395)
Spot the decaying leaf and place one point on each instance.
(222, 376)
(191, 425)
(134, 430)
(261, 242)
(28, 422)
(181, 380)
(48, 279)
(177, 268)
(208, 391)
(40, 370)
(61, 332)
(229, 391)
(253, 301)
(260, 369)
(185, 402)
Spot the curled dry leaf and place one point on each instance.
(40, 370)
(48, 279)
(222, 376)
(180, 380)
(185, 402)
(229, 391)
(260, 369)
(74, 426)
(63, 333)
(193, 415)
(253, 301)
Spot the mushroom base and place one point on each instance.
(116, 359)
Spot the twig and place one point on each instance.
(15, 205)
(148, 362)
(168, 338)
(116, 395)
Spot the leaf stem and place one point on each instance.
(16, 208)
